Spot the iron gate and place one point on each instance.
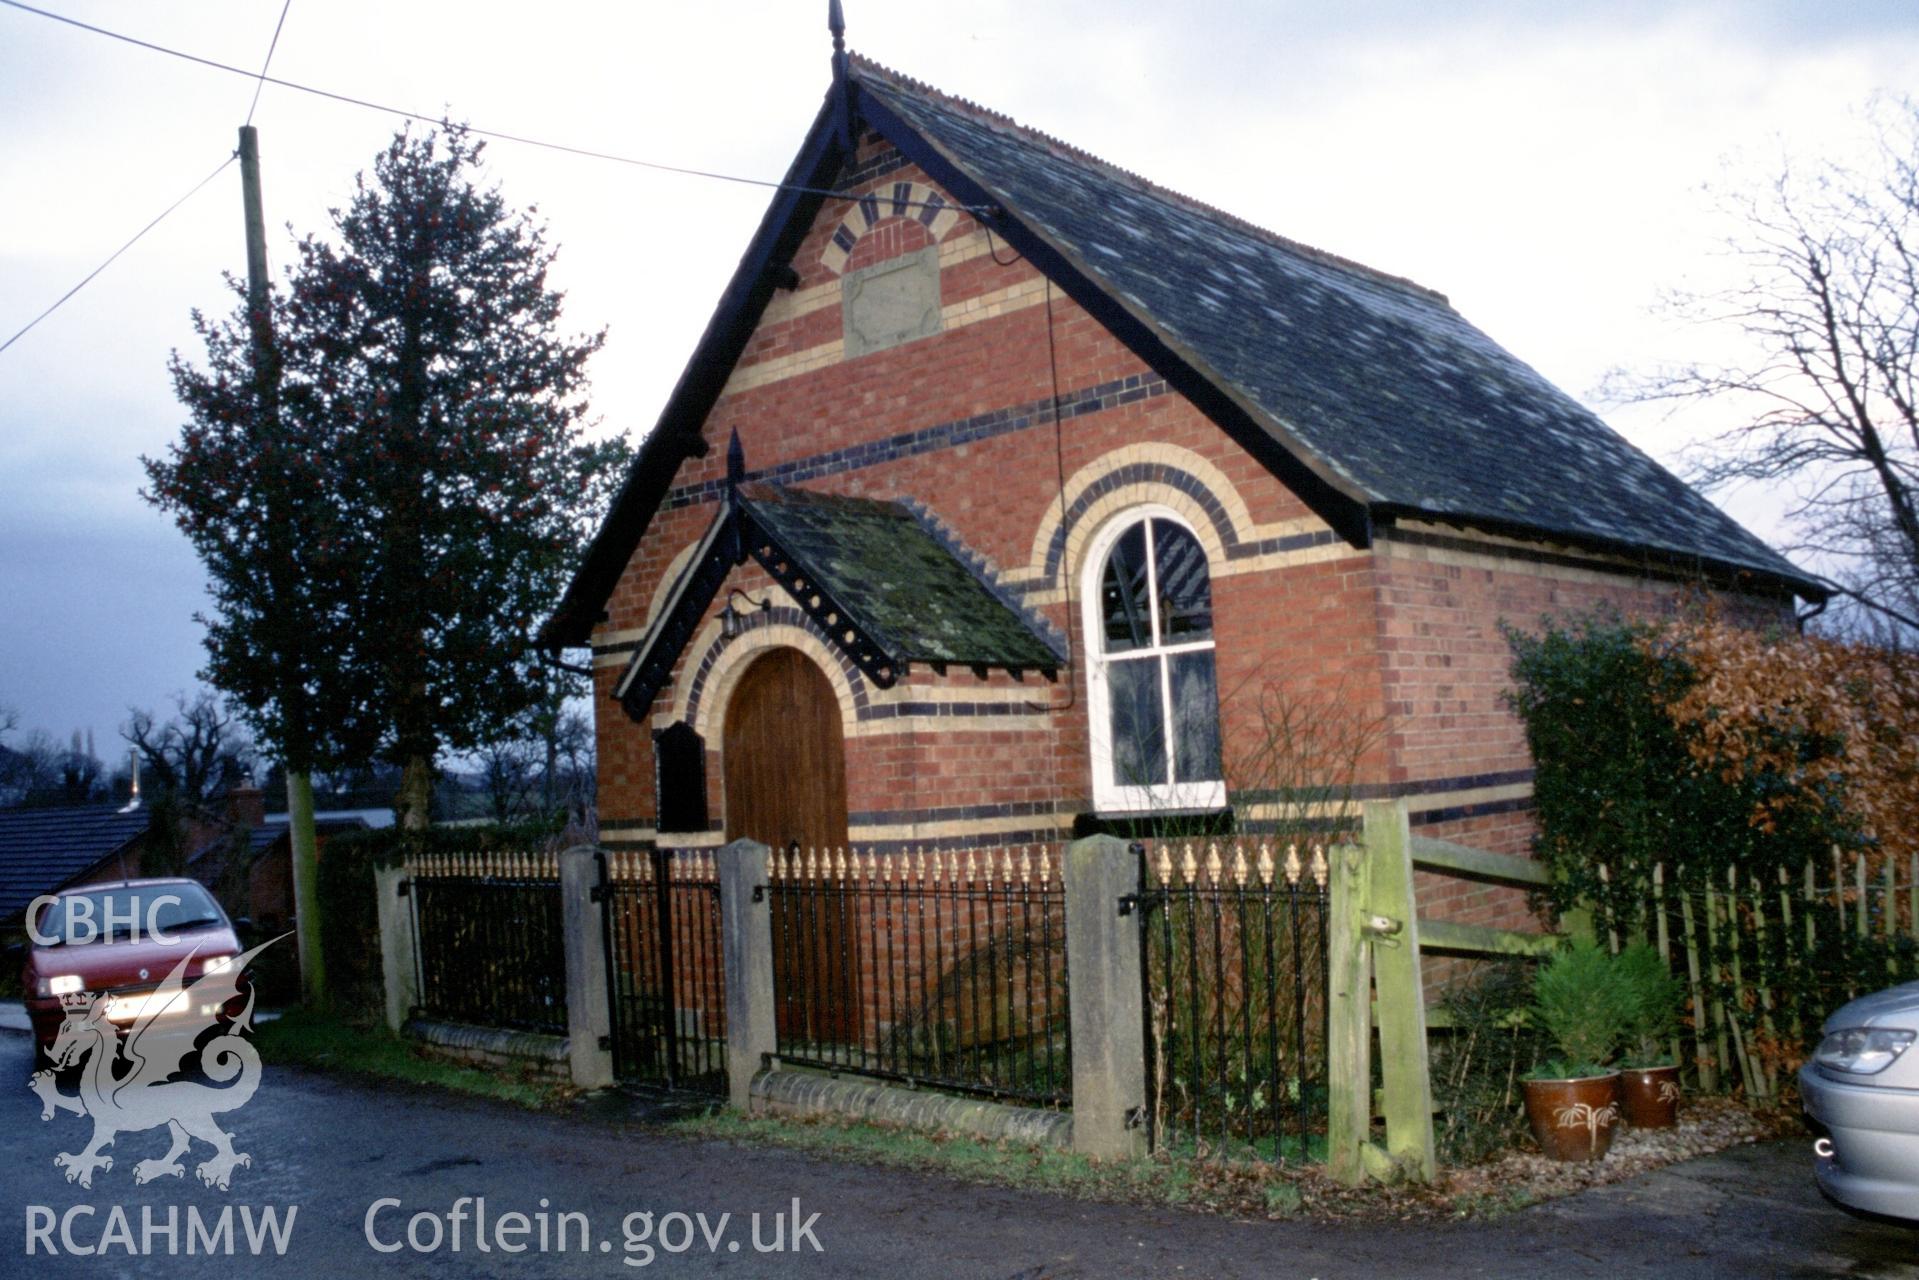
(1233, 944)
(664, 968)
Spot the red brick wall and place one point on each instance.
(1445, 670)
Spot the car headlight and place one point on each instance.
(61, 984)
(1862, 1051)
(217, 964)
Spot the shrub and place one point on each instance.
(1735, 758)
(1583, 1007)
(1653, 996)
(1619, 784)
(1479, 1059)
(349, 916)
(1822, 735)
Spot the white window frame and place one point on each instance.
(1108, 794)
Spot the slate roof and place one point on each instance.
(903, 586)
(884, 583)
(262, 838)
(210, 864)
(42, 849)
(1402, 402)
(1368, 395)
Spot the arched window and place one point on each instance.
(1154, 699)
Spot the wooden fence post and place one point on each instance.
(1349, 1035)
(1402, 998)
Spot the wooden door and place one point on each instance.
(783, 757)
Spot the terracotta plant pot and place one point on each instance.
(1651, 1095)
(1573, 1119)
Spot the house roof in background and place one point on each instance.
(261, 838)
(43, 849)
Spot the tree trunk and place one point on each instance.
(306, 886)
(414, 804)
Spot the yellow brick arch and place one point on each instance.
(931, 209)
(1046, 570)
(784, 628)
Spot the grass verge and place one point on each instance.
(1239, 1189)
(330, 1042)
(1190, 1180)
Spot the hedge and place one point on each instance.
(349, 920)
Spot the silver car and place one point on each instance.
(1862, 1086)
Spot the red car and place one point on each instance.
(119, 941)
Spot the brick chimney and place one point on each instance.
(246, 806)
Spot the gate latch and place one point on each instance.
(606, 1043)
(1127, 903)
(596, 894)
(404, 889)
(759, 893)
(1383, 930)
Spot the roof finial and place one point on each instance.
(842, 71)
(735, 460)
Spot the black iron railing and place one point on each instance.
(1233, 944)
(489, 940)
(942, 968)
(666, 968)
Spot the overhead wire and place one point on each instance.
(498, 135)
(260, 81)
(61, 300)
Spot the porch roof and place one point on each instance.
(883, 583)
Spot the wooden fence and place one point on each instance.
(1764, 960)
(1765, 957)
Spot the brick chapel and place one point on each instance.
(1009, 495)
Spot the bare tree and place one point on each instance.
(197, 756)
(572, 770)
(188, 765)
(1827, 394)
(41, 773)
(544, 770)
(509, 778)
(1294, 768)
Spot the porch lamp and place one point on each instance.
(731, 621)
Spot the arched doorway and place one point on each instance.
(783, 757)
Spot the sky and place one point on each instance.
(1541, 164)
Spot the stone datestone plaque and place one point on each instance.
(893, 302)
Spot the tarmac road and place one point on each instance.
(333, 1149)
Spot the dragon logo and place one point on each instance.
(127, 1081)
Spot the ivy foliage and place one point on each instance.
(349, 912)
(1616, 785)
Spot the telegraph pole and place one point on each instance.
(256, 230)
(266, 366)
